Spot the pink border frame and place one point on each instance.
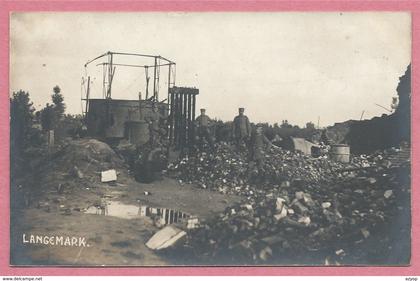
(203, 6)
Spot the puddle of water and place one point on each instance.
(161, 216)
(115, 209)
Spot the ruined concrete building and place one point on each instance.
(115, 119)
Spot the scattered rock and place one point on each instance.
(388, 193)
(326, 205)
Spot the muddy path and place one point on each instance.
(107, 239)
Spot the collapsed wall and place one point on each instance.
(379, 133)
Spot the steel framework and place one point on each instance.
(109, 67)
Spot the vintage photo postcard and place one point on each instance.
(187, 139)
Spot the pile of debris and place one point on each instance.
(231, 171)
(219, 169)
(328, 224)
(146, 163)
(306, 211)
(80, 163)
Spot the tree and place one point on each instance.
(21, 118)
(59, 106)
(285, 124)
(48, 117)
(21, 132)
(310, 126)
(222, 130)
(53, 114)
(56, 97)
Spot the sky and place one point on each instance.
(298, 67)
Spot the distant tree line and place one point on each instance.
(222, 130)
(28, 126)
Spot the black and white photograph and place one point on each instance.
(210, 139)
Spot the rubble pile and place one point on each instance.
(327, 224)
(146, 163)
(224, 168)
(305, 211)
(79, 163)
(230, 171)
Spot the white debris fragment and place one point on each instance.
(281, 215)
(305, 220)
(339, 252)
(388, 193)
(326, 205)
(371, 180)
(280, 203)
(299, 195)
(365, 232)
(247, 206)
(108, 176)
(165, 238)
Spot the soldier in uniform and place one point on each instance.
(259, 143)
(241, 129)
(154, 120)
(203, 124)
(324, 138)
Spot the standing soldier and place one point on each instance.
(203, 124)
(259, 144)
(324, 138)
(154, 119)
(241, 129)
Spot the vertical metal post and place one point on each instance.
(87, 97)
(157, 78)
(109, 75)
(140, 111)
(169, 79)
(181, 119)
(189, 122)
(176, 119)
(111, 71)
(174, 75)
(154, 79)
(169, 102)
(104, 73)
(146, 72)
(171, 119)
(193, 117)
(184, 136)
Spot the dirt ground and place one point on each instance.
(61, 195)
(111, 240)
